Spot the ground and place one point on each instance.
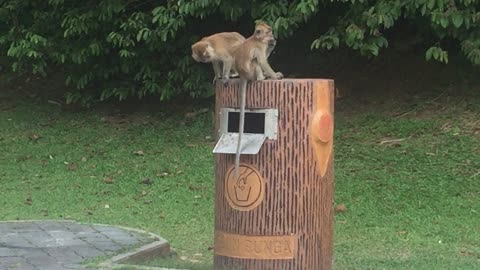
(407, 165)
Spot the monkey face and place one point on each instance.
(202, 52)
(203, 58)
(263, 33)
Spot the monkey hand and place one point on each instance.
(225, 81)
(278, 76)
(215, 79)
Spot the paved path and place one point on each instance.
(60, 245)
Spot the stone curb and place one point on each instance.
(143, 252)
(159, 247)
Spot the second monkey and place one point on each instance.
(251, 64)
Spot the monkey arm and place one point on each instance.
(217, 69)
(227, 66)
(262, 61)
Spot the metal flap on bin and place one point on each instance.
(250, 145)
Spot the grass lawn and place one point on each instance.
(407, 170)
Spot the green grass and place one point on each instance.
(174, 262)
(411, 205)
(177, 159)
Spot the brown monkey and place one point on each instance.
(218, 49)
(251, 64)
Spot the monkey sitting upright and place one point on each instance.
(251, 64)
(218, 49)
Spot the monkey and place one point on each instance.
(251, 64)
(217, 49)
(202, 52)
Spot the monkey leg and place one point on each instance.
(217, 68)
(227, 67)
(259, 73)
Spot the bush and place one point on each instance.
(123, 48)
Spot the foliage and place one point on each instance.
(122, 48)
(363, 24)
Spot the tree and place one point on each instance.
(122, 48)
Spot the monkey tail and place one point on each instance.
(243, 90)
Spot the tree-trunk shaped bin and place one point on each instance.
(278, 214)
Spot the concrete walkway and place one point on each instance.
(61, 245)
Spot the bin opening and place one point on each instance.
(260, 125)
(254, 122)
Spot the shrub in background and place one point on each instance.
(123, 48)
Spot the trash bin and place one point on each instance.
(278, 213)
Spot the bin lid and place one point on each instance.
(250, 145)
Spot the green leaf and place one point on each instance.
(428, 54)
(444, 21)
(436, 53)
(445, 57)
(457, 20)
(141, 33)
(315, 44)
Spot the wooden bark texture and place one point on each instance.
(297, 201)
